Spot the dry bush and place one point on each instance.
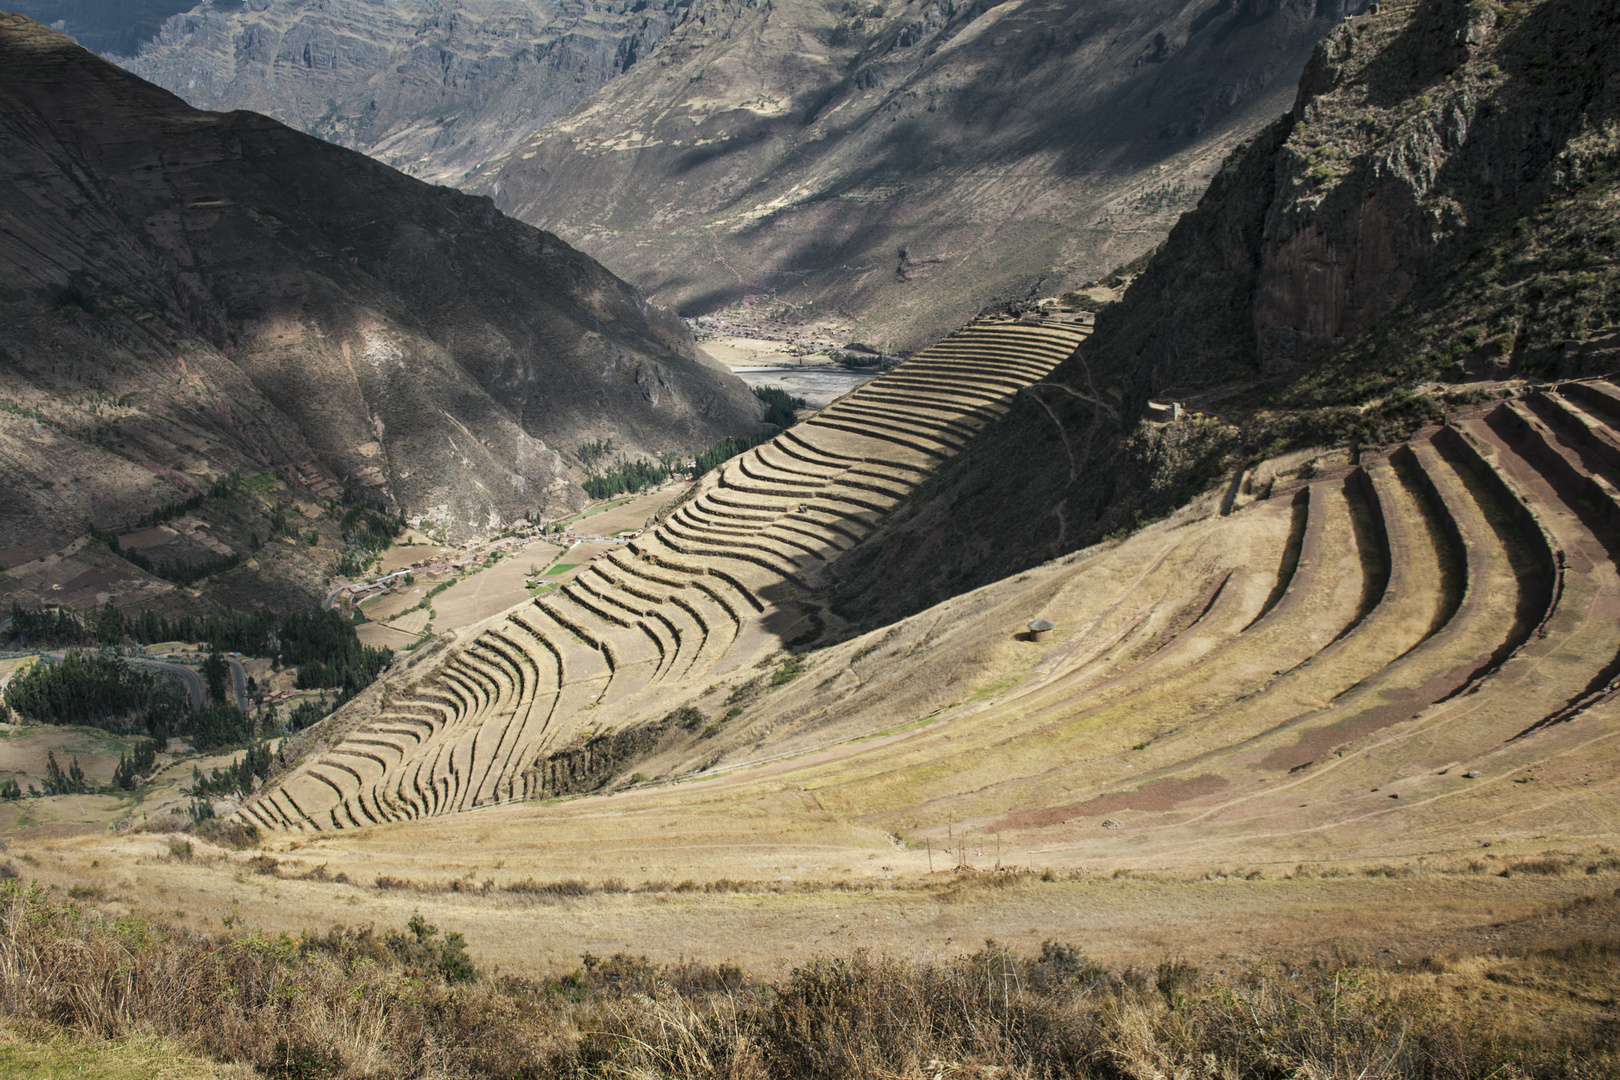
(354, 1003)
(229, 833)
(345, 1005)
(165, 823)
(1549, 867)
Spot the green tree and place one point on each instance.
(133, 766)
(55, 780)
(109, 625)
(215, 671)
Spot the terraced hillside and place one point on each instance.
(1388, 656)
(524, 704)
(1383, 646)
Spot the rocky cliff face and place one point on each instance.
(434, 87)
(1439, 206)
(899, 166)
(185, 294)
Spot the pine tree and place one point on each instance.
(214, 669)
(109, 625)
(55, 782)
(75, 777)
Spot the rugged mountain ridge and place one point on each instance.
(434, 87)
(1438, 208)
(190, 294)
(897, 167)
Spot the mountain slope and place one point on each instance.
(188, 294)
(1439, 207)
(433, 87)
(901, 166)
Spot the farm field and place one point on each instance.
(735, 350)
(492, 590)
(707, 593)
(415, 548)
(624, 513)
(22, 757)
(488, 590)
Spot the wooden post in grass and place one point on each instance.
(930, 856)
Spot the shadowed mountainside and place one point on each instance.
(1437, 208)
(431, 87)
(189, 294)
(898, 167)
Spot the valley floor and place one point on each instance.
(534, 907)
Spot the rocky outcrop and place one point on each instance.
(189, 294)
(1436, 205)
(898, 172)
(434, 87)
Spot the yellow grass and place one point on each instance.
(44, 1054)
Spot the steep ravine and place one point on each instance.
(891, 169)
(436, 89)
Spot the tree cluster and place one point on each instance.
(135, 766)
(58, 782)
(236, 778)
(627, 476)
(252, 633)
(321, 644)
(726, 450)
(781, 407)
(216, 726)
(365, 533)
(328, 655)
(100, 691)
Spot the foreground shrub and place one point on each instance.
(352, 1003)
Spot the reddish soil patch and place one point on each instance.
(1158, 796)
(1404, 704)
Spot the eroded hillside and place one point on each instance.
(897, 167)
(435, 89)
(189, 295)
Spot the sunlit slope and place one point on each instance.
(1411, 653)
(1427, 639)
(511, 711)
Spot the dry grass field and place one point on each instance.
(532, 906)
